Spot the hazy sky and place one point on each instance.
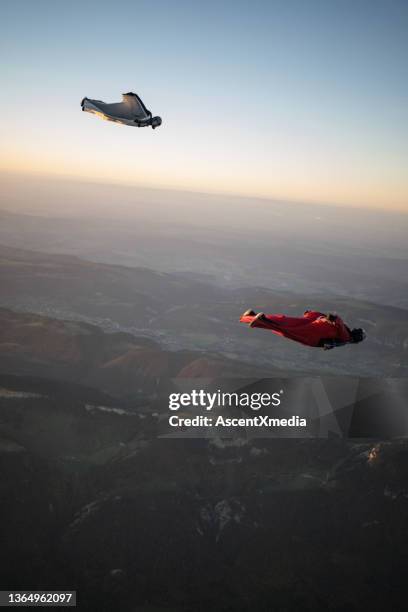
(298, 99)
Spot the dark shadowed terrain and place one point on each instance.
(93, 499)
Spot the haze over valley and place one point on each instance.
(180, 268)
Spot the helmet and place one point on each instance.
(357, 334)
(156, 121)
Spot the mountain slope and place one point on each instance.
(118, 363)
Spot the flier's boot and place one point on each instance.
(249, 313)
(259, 317)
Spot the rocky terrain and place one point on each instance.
(94, 500)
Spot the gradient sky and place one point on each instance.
(303, 100)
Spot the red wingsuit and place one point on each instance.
(311, 329)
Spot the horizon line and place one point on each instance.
(75, 178)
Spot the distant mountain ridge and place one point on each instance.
(299, 248)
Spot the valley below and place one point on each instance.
(98, 324)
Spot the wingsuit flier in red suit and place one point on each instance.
(312, 329)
